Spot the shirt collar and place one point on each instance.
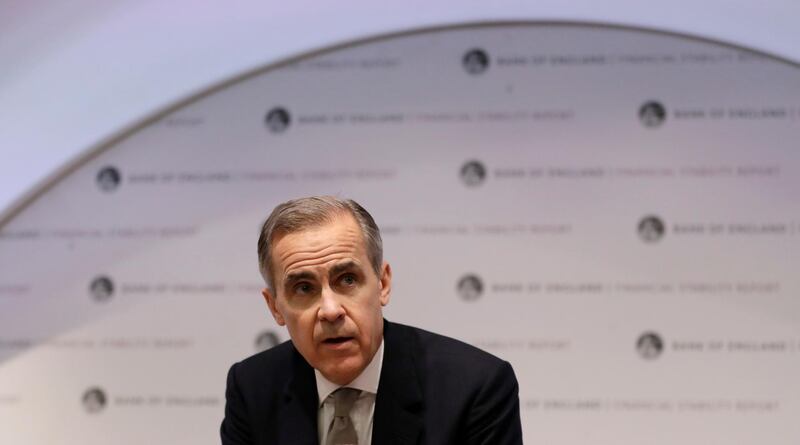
(366, 381)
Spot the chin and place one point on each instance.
(341, 378)
(344, 374)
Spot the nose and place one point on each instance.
(330, 307)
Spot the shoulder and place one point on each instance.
(275, 362)
(255, 390)
(436, 351)
(472, 396)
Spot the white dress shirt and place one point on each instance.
(363, 411)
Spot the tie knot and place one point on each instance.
(343, 401)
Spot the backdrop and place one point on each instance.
(609, 209)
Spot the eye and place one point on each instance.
(303, 288)
(348, 279)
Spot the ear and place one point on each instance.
(385, 283)
(273, 307)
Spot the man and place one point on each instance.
(348, 376)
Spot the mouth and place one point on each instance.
(333, 341)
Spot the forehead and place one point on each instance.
(338, 239)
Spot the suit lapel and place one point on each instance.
(398, 406)
(298, 416)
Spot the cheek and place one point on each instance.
(368, 314)
(293, 318)
(305, 323)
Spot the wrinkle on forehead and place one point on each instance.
(317, 247)
(300, 260)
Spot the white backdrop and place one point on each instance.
(75, 73)
(620, 206)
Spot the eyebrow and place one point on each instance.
(342, 267)
(294, 277)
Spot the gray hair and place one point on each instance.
(304, 213)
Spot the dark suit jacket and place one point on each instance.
(432, 390)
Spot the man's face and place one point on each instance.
(329, 297)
